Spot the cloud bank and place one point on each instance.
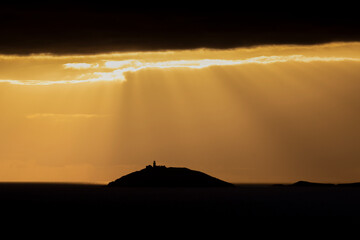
(60, 27)
(64, 117)
(115, 66)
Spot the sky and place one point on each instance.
(90, 93)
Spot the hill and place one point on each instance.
(311, 184)
(161, 176)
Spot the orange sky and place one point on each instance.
(264, 114)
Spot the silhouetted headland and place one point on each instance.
(161, 176)
(311, 184)
(316, 184)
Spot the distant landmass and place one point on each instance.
(161, 176)
(316, 184)
(312, 184)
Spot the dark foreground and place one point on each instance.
(169, 203)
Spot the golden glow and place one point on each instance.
(262, 114)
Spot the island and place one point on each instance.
(161, 176)
(312, 184)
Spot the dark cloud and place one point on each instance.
(102, 27)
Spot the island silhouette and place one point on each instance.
(162, 176)
(319, 184)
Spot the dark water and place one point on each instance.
(197, 203)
